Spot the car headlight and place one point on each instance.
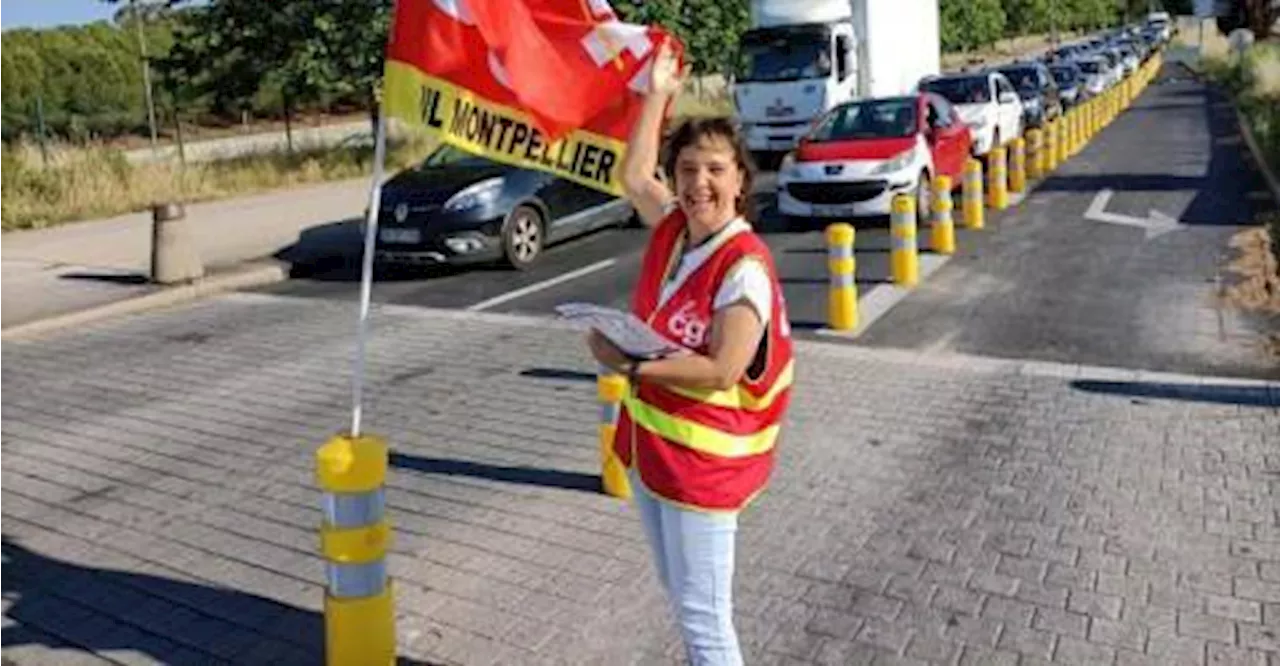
(473, 196)
(897, 163)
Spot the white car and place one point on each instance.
(987, 101)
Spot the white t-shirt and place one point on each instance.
(748, 280)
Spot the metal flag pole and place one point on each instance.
(366, 271)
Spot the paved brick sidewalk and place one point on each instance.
(158, 503)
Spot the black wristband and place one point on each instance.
(633, 371)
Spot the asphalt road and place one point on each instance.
(1041, 282)
(1046, 283)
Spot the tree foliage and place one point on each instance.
(216, 59)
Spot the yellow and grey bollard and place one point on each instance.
(1076, 131)
(904, 256)
(942, 229)
(1063, 143)
(359, 609)
(1050, 146)
(1035, 152)
(1017, 166)
(611, 387)
(842, 266)
(998, 180)
(971, 194)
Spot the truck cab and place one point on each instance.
(802, 58)
(788, 76)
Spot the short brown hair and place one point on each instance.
(691, 130)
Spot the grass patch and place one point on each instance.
(97, 181)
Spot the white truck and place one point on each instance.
(801, 58)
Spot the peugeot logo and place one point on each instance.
(402, 212)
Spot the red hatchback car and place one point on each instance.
(860, 154)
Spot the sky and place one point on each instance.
(49, 13)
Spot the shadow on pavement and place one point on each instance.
(68, 606)
(332, 253)
(531, 476)
(1246, 396)
(111, 278)
(556, 373)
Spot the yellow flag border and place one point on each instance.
(497, 131)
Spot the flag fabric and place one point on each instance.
(554, 85)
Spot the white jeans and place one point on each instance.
(693, 552)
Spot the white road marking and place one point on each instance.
(1155, 224)
(539, 286)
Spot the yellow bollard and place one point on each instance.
(942, 229)
(1050, 146)
(1063, 141)
(998, 180)
(904, 257)
(842, 268)
(610, 389)
(972, 195)
(359, 608)
(1077, 131)
(1017, 166)
(1035, 151)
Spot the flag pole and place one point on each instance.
(366, 270)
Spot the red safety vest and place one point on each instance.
(702, 448)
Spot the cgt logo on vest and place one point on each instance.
(688, 326)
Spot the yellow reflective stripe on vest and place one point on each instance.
(738, 397)
(697, 436)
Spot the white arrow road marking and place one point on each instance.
(1155, 224)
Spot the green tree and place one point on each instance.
(969, 24)
(1027, 16)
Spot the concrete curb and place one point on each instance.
(250, 275)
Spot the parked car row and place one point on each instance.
(861, 154)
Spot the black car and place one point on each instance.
(1070, 80)
(456, 208)
(1041, 101)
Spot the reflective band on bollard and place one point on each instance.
(1017, 166)
(842, 268)
(971, 193)
(359, 609)
(1035, 148)
(943, 229)
(998, 180)
(610, 389)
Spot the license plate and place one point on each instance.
(830, 210)
(400, 235)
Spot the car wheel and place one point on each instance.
(522, 237)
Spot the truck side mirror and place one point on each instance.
(842, 57)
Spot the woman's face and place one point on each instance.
(708, 181)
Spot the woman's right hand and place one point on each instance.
(666, 75)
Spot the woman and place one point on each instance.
(698, 429)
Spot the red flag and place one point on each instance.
(546, 84)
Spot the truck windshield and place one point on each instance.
(962, 89)
(789, 62)
(871, 119)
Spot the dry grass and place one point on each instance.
(97, 181)
(1002, 51)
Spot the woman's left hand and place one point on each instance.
(606, 352)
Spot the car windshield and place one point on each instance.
(1090, 66)
(871, 119)
(447, 155)
(1025, 79)
(787, 60)
(1064, 76)
(961, 89)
